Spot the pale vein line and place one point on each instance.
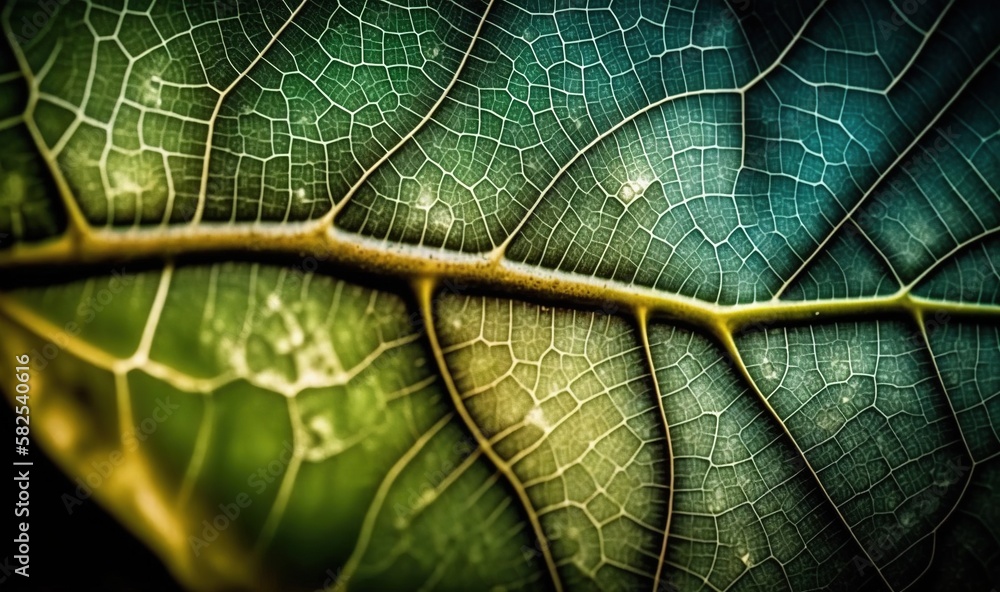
(197, 461)
(98, 357)
(919, 318)
(22, 316)
(497, 254)
(946, 257)
(202, 191)
(123, 397)
(920, 48)
(141, 354)
(726, 337)
(889, 170)
(787, 49)
(371, 516)
(277, 511)
(424, 291)
(452, 477)
(77, 222)
(642, 318)
(328, 218)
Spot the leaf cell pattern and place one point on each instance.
(515, 294)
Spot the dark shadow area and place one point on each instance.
(85, 550)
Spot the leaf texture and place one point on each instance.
(515, 294)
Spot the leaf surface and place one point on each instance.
(511, 295)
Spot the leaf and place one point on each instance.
(501, 295)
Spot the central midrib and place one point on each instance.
(460, 272)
